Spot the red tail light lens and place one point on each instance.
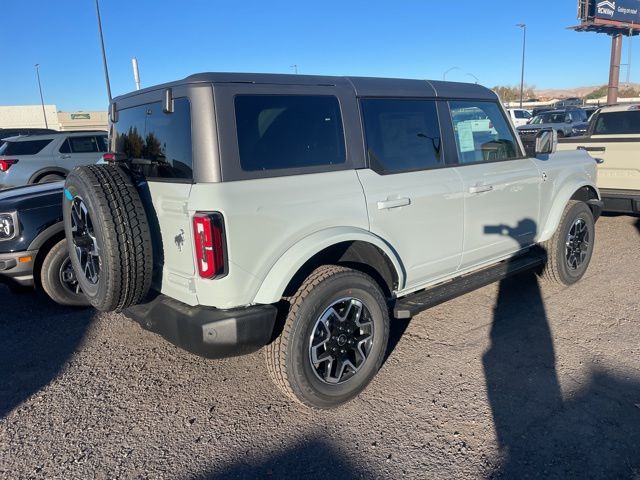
(209, 237)
(6, 164)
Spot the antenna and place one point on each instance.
(136, 72)
(104, 55)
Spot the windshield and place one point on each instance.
(548, 117)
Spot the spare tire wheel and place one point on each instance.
(108, 236)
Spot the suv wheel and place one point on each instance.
(58, 278)
(570, 249)
(108, 236)
(52, 177)
(333, 340)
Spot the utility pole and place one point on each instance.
(44, 112)
(295, 68)
(614, 71)
(523, 26)
(104, 55)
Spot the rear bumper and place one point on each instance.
(12, 270)
(204, 331)
(621, 201)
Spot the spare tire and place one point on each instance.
(108, 236)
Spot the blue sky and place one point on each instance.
(401, 38)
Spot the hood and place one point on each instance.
(539, 126)
(31, 196)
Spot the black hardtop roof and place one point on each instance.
(363, 86)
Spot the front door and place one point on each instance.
(501, 187)
(414, 199)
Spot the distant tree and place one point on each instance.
(597, 93)
(512, 93)
(629, 92)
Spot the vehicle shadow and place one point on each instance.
(541, 433)
(638, 224)
(37, 337)
(310, 459)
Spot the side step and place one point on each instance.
(407, 307)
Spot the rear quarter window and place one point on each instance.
(31, 147)
(278, 132)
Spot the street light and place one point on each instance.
(474, 77)
(444, 75)
(44, 113)
(523, 26)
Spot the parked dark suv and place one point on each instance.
(33, 252)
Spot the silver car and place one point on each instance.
(49, 157)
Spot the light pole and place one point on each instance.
(474, 77)
(104, 55)
(44, 112)
(444, 75)
(523, 26)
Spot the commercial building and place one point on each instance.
(31, 116)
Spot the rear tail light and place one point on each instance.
(5, 164)
(209, 237)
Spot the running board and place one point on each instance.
(415, 303)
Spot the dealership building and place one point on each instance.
(32, 116)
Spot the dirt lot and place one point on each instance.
(506, 382)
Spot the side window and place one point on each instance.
(288, 131)
(618, 123)
(526, 114)
(83, 144)
(30, 147)
(146, 132)
(65, 148)
(402, 135)
(520, 114)
(482, 132)
(103, 145)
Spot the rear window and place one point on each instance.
(147, 133)
(30, 147)
(618, 123)
(288, 131)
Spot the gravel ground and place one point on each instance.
(506, 382)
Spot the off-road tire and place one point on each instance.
(51, 281)
(52, 177)
(122, 233)
(287, 356)
(556, 268)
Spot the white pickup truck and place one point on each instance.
(613, 138)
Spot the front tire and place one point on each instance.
(570, 249)
(334, 338)
(58, 279)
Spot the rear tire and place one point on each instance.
(570, 249)
(56, 279)
(108, 236)
(339, 317)
(52, 177)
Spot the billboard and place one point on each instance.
(625, 11)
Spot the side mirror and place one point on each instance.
(567, 120)
(546, 142)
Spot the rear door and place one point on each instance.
(80, 150)
(414, 196)
(501, 186)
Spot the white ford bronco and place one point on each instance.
(299, 213)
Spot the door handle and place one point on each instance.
(65, 156)
(480, 189)
(393, 203)
(593, 149)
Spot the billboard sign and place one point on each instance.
(625, 11)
